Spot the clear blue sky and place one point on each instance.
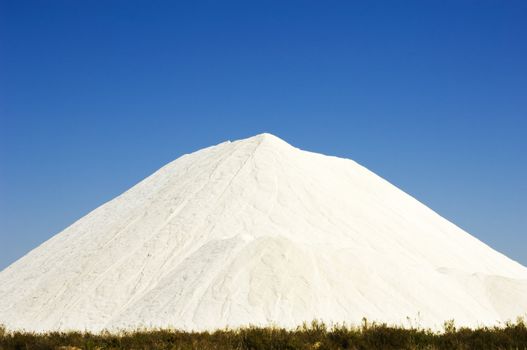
(96, 95)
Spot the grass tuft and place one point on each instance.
(314, 336)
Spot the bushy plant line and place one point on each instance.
(511, 336)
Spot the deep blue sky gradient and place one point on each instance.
(96, 95)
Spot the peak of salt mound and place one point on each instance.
(267, 140)
(259, 232)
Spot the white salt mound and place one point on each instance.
(259, 232)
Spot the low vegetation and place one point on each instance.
(314, 336)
